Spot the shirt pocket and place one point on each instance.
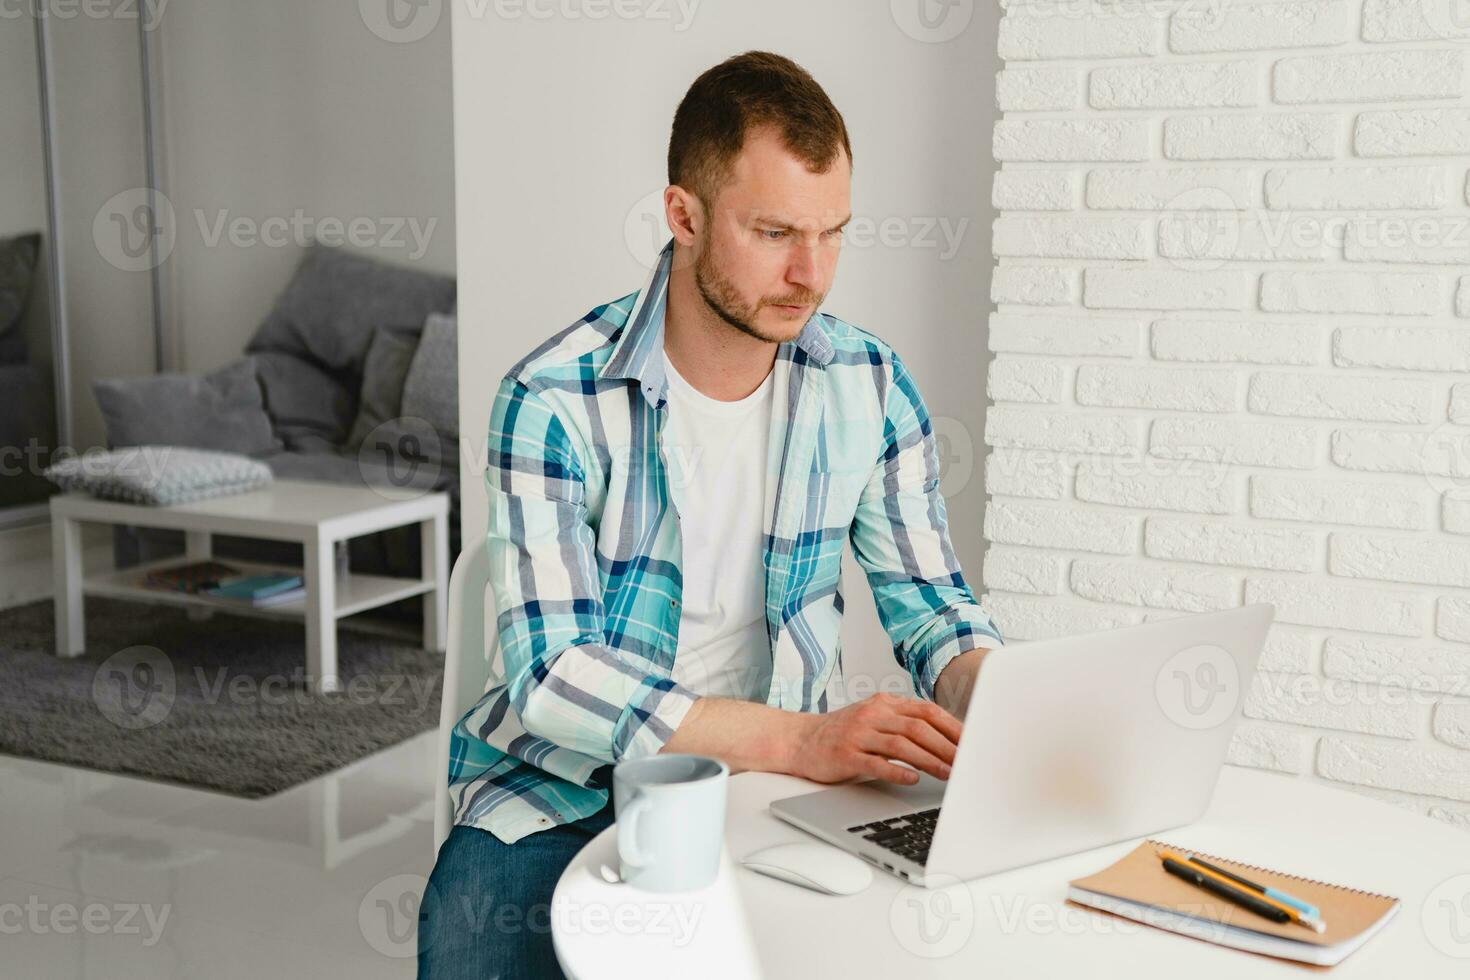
(832, 497)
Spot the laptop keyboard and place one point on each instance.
(907, 836)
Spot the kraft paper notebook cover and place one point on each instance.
(1138, 887)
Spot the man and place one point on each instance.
(672, 480)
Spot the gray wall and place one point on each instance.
(273, 106)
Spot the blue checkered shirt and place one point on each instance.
(585, 552)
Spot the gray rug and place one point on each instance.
(220, 705)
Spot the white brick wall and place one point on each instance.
(1231, 357)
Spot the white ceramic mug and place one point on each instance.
(671, 820)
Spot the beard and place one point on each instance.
(725, 302)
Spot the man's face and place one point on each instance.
(770, 245)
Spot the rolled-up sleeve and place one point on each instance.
(900, 537)
(565, 682)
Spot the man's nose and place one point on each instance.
(805, 269)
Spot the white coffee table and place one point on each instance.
(317, 515)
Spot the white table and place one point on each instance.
(1017, 924)
(316, 515)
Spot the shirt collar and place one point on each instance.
(638, 353)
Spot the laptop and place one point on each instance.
(1069, 744)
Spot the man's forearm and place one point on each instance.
(746, 735)
(864, 740)
(952, 690)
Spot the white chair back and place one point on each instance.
(468, 659)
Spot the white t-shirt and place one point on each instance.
(716, 450)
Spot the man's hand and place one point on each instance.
(858, 741)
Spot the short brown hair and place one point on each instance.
(750, 90)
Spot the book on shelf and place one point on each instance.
(190, 577)
(270, 589)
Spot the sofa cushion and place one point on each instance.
(18, 258)
(337, 299)
(383, 375)
(222, 410)
(309, 408)
(431, 390)
(159, 475)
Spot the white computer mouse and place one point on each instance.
(819, 867)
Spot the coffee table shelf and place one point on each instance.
(357, 593)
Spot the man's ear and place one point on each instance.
(685, 215)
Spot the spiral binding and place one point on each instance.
(1232, 864)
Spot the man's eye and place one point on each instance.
(771, 235)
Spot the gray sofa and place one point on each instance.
(351, 379)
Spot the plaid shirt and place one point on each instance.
(585, 552)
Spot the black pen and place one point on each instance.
(1238, 896)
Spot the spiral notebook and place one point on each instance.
(1138, 887)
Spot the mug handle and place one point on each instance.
(628, 848)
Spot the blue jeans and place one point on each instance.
(486, 912)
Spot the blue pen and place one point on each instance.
(1306, 909)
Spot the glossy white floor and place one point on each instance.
(104, 876)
